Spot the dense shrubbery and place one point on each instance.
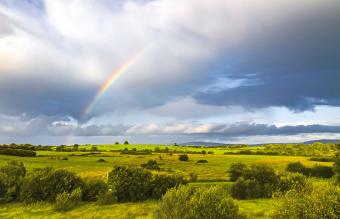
(237, 170)
(136, 184)
(322, 159)
(17, 152)
(316, 171)
(258, 181)
(183, 157)
(204, 202)
(290, 181)
(91, 189)
(45, 184)
(66, 201)
(313, 201)
(11, 178)
(337, 166)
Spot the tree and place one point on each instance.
(151, 165)
(237, 170)
(203, 202)
(126, 142)
(92, 188)
(130, 184)
(183, 157)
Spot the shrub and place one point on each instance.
(44, 184)
(11, 177)
(92, 188)
(130, 184)
(313, 201)
(297, 167)
(183, 157)
(151, 165)
(257, 182)
(162, 183)
(290, 181)
(107, 198)
(237, 170)
(66, 201)
(337, 166)
(101, 160)
(202, 161)
(204, 202)
(322, 171)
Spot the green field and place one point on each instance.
(86, 164)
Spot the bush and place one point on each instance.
(11, 178)
(313, 201)
(162, 183)
(297, 167)
(151, 165)
(183, 157)
(44, 184)
(101, 160)
(257, 182)
(202, 161)
(130, 184)
(67, 201)
(237, 170)
(92, 188)
(204, 202)
(337, 166)
(290, 181)
(107, 198)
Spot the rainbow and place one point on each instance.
(108, 82)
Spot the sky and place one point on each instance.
(165, 71)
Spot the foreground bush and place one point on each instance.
(310, 202)
(11, 178)
(92, 188)
(45, 184)
(107, 198)
(136, 184)
(67, 201)
(183, 157)
(337, 167)
(130, 184)
(190, 203)
(290, 181)
(258, 181)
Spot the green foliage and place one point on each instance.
(136, 184)
(92, 188)
(314, 201)
(183, 157)
(162, 183)
(205, 202)
(259, 181)
(316, 171)
(17, 152)
(337, 166)
(151, 165)
(290, 181)
(130, 184)
(107, 198)
(11, 177)
(237, 170)
(44, 184)
(66, 201)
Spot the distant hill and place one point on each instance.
(202, 143)
(322, 141)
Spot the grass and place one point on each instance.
(213, 172)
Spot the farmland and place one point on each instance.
(97, 162)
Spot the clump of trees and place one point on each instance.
(203, 202)
(316, 171)
(258, 181)
(17, 152)
(137, 184)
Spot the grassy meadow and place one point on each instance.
(98, 164)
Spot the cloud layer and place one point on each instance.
(205, 67)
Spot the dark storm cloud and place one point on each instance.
(293, 63)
